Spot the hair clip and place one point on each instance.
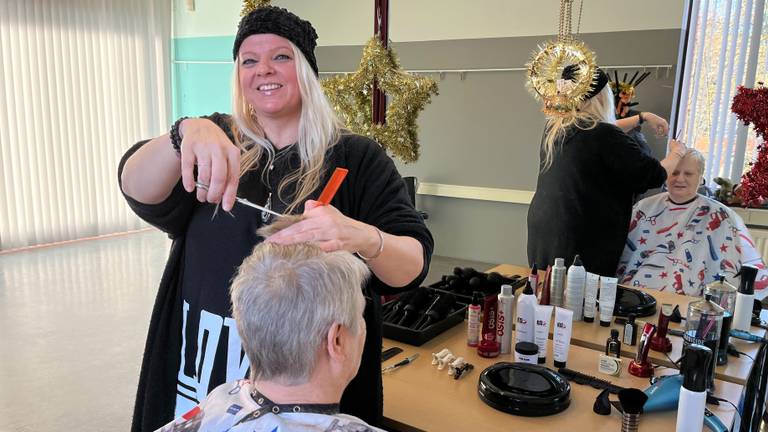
(445, 361)
(457, 363)
(439, 355)
(462, 370)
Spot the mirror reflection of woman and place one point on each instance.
(679, 240)
(589, 172)
(278, 149)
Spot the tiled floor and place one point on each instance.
(73, 319)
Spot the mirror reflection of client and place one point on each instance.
(589, 173)
(679, 240)
(299, 313)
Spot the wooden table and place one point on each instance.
(592, 335)
(420, 397)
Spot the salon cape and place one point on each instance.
(682, 247)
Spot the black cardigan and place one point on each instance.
(373, 192)
(583, 202)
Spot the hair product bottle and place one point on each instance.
(558, 282)
(526, 315)
(505, 317)
(742, 316)
(574, 289)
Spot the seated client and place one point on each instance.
(299, 313)
(680, 240)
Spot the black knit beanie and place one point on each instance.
(281, 22)
(599, 80)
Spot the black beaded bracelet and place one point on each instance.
(175, 135)
(642, 120)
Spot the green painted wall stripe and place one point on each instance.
(214, 48)
(202, 88)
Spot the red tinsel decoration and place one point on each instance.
(751, 107)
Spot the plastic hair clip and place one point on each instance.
(459, 362)
(443, 362)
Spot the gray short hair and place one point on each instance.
(698, 157)
(285, 298)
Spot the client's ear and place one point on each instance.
(336, 341)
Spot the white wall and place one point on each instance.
(350, 22)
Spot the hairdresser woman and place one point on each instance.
(589, 170)
(278, 149)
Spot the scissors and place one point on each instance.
(652, 219)
(244, 201)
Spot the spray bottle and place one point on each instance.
(574, 289)
(742, 315)
(693, 393)
(558, 282)
(504, 321)
(526, 315)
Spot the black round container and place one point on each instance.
(524, 389)
(632, 301)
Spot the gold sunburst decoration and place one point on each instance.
(545, 69)
(561, 96)
(351, 96)
(251, 5)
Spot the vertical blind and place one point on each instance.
(81, 81)
(726, 48)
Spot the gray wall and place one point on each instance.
(485, 130)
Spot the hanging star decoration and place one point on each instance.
(251, 5)
(561, 96)
(351, 96)
(751, 107)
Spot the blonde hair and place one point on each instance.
(319, 129)
(598, 109)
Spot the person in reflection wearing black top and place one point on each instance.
(589, 171)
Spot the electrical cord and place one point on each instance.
(675, 363)
(741, 353)
(735, 408)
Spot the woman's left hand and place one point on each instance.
(330, 229)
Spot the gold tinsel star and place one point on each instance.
(351, 96)
(251, 5)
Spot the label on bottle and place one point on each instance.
(629, 331)
(473, 326)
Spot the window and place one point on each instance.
(726, 47)
(82, 80)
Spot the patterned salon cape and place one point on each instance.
(228, 408)
(682, 248)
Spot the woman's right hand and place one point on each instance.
(677, 147)
(206, 146)
(675, 154)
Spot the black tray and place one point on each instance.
(467, 299)
(419, 337)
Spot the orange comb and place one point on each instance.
(333, 185)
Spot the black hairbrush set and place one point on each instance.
(419, 315)
(466, 281)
